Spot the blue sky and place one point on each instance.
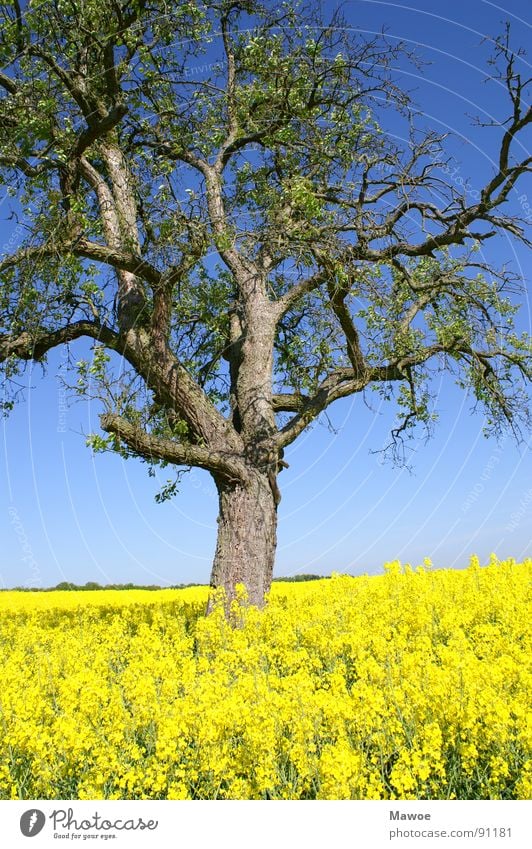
(66, 515)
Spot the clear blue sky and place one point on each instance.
(66, 515)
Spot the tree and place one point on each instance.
(207, 192)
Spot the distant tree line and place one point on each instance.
(93, 585)
(302, 577)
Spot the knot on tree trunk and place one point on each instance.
(130, 308)
(267, 459)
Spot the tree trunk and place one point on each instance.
(247, 538)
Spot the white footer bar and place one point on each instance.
(240, 825)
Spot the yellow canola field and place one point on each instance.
(410, 685)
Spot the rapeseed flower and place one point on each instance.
(410, 685)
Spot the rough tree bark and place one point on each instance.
(247, 537)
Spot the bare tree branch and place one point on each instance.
(35, 344)
(228, 466)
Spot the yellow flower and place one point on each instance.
(412, 684)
